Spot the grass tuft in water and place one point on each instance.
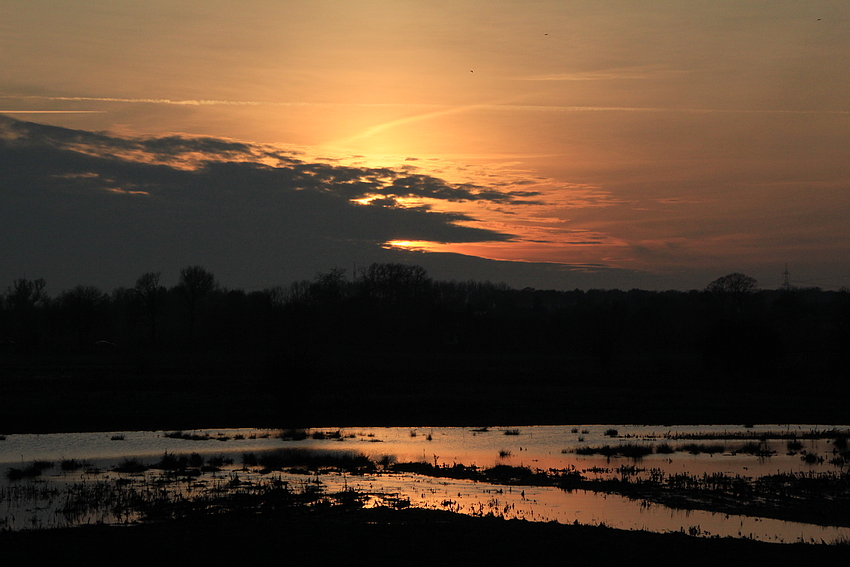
(293, 434)
(309, 459)
(760, 449)
(32, 470)
(69, 465)
(697, 448)
(628, 450)
(130, 465)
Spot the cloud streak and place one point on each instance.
(52, 111)
(213, 102)
(603, 75)
(437, 110)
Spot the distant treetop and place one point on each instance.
(735, 283)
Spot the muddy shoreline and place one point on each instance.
(391, 537)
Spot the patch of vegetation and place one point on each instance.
(664, 449)
(321, 435)
(190, 436)
(309, 459)
(69, 465)
(293, 434)
(629, 450)
(130, 465)
(761, 435)
(697, 448)
(32, 470)
(760, 449)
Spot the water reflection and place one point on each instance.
(33, 502)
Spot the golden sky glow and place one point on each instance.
(677, 139)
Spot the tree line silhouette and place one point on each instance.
(730, 333)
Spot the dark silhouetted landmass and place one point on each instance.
(393, 347)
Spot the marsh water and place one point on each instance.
(32, 502)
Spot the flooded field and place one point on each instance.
(587, 474)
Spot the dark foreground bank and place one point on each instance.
(391, 537)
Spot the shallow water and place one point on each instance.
(543, 447)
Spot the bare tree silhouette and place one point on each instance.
(83, 307)
(394, 283)
(22, 300)
(733, 291)
(195, 283)
(25, 294)
(149, 295)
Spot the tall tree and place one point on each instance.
(394, 283)
(195, 284)
(733, 291)
(83, 309)
(23, 299)
(25, 294)
(149, 295)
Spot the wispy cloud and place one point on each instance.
(213, 102)
(433, 110)
(587, 76)
(551, 108)
(622, 73)
(52, 111)
(371, 131)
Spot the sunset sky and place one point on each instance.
(552, 143)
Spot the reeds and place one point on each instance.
(628, 450)
(188, 436)
(293, 434)
(760, 449)
(32, 470)
(761, 435)
(321, 435)
(697, 448)
(69, 465)
(314, 460)
(638, 451)
(130, 465)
